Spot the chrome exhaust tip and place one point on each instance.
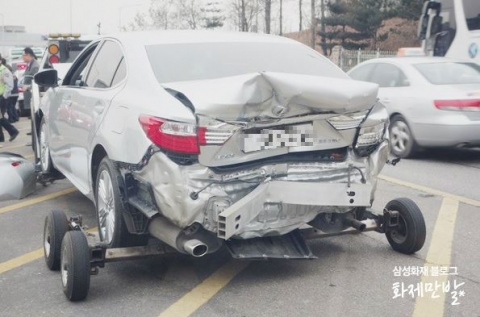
(195, 247)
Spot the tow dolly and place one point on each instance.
(82, 254)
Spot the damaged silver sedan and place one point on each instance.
(202, 140)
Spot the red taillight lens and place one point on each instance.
(15, 164)
(171, 136)
(458, 105)
(21, 66)
(54, 59)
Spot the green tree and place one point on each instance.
(213, 15)
(368, 17)
(409, 9)
(339, 28)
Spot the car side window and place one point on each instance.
(105, 66)
(362, 73)
(77, 73)
(121, 73)
(387, 75)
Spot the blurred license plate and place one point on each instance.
(268, 139)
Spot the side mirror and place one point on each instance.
(422, 26)
(436, 26)
(47, 78)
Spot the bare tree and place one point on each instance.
(300, 15)
(281, 17)
(244, 13)
(161, 14)
(314, 24)
(188, 13)
(268, 15)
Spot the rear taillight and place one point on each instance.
(171, 136)
(458, 105)
(15, 164)
(213, 136)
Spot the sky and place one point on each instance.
(55, 16)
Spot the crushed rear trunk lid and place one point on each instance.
(254, 116)
(275, 95)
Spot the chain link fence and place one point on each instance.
(347, 59)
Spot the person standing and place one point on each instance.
(32, 68)
(12, 100)
(6, 87)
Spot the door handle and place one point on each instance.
(99, 109)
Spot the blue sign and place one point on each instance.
(473, 50)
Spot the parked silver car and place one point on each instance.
(432, 101)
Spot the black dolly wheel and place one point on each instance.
(56, 225)
(75, 265)
(410, 234)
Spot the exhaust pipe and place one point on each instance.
(360, 226)
(164, 230)
(195, 247)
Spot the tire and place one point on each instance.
(111, 226)
(44, 149)
(409, 236)
(55, 228)
(402, 142)
(75, 266)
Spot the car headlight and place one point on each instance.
(373, 131)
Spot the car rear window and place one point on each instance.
(197, 61)
(450, 73)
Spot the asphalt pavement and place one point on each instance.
(354, 275)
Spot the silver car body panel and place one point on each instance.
(18, 177)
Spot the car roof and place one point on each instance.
(183, 37)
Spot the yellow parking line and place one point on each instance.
(14, 147)
(37, 200)
(26, 258)
(21, 260)
(202, 293)
(432, 191)
(439, 254)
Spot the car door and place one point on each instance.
(59, 115)
(394, 86)
(100, 87)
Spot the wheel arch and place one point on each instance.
(98, 154)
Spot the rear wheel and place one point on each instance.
(111, 225)
(75, 266)
(409, 236)
(402, 143)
